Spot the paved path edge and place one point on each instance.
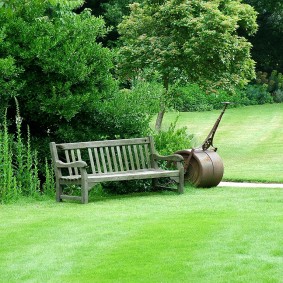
(250, 185)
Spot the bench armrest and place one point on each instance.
(173, 157)
(77, 164)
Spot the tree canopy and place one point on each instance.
(56, 61)
(197, 40)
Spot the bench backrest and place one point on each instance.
(107, 156)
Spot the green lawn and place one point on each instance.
(216, 235)
(249, 140)
(205, 235)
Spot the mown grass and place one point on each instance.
(216, 235)
(249, 140)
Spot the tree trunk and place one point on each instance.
(161, 113)
(159, 120)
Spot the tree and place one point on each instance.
(112, 12)
(60, 69)
(268, 42)
(193, 39)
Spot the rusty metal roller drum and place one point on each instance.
(203, 169)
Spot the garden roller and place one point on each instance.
(202, 165)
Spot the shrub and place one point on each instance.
(190, 98)
(128, 112)
(274, 81)
(278, 96)
(193, 98)
(169, 141)
(258, 94)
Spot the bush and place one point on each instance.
(278, 96)
(193, 98)
(258, 94)
(274, 81)
(190, 98)
(169, 141)
(128, 112)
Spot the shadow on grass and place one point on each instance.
(97, 194)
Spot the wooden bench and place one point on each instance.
(88, 163)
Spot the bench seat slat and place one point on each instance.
(137, 174)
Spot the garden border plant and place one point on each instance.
(19, 175)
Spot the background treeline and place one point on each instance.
(77, 71)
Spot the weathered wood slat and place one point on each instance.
(103, 159)
(146, 149)
(134, 175)
(137, 161)
(91, 160)
(79, 154)
(97, 161)
(142, 157)
(131, 158)
(108, 159)
(121, 166)
(125, 158)
(104, 143)
(73, 157)
(113, 155)
(68, 160)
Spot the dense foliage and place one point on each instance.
(53, 62)
(63, 70)
(195, 40)
(268, 42)
(192, 98)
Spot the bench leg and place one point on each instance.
(154, 183)
(84, 187)
(181, 182)
(84, 190)
(58, 192)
